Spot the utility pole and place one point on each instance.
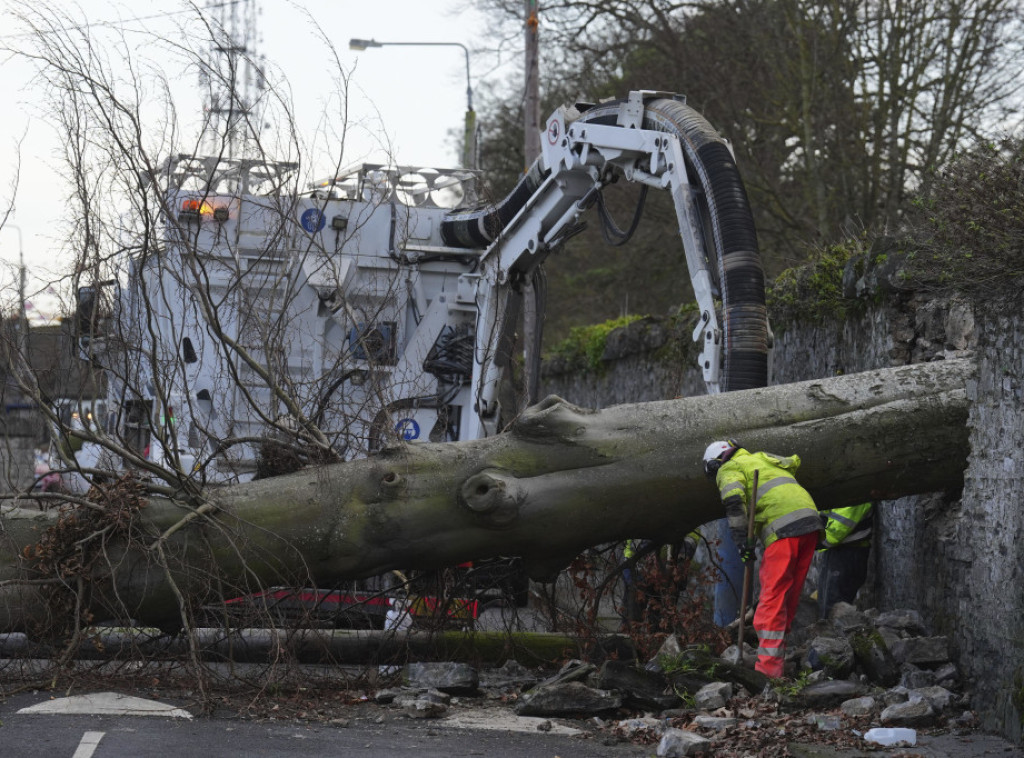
(533, 327)
(22, 331)
(531, 119)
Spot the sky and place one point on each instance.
(409, 97)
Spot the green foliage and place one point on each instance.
(1018, 695)
(690, 661)
(865, 643)
(970, 222)
(792, 688)
(687, 699)
(585, 345)
(681, 663)
(814, 290)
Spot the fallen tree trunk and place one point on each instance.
(560, 480)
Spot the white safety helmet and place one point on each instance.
(718, 453)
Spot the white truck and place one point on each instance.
(380, 304)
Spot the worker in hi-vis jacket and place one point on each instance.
(843, 566)
(635, 589)
(786, 523)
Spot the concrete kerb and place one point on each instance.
(106, 704)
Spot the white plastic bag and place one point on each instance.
(891, 735)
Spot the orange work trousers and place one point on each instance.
(783, 570)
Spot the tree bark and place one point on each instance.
(561, 479)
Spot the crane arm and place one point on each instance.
(648, 138)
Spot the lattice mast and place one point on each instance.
(234, 81)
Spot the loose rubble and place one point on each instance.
(857, 672)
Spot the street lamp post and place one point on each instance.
(22, 316)
(469, 142)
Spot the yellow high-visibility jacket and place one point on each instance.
(687, 549)
(784, 508)
(850, 525)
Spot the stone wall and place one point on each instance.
(957, 560)
(21, 432)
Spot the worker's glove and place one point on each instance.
(747, 554)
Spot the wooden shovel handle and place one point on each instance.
(748, 569)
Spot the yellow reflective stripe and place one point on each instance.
(768, 634)
(858, 535)
(776, 482)
(789, 518)
(730, 487)
(842, 519)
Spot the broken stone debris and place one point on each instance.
(917, 712)
(715, 723)
(641, 689)
(453, 678)
(833, 655)
(858, 670)
(511, 675)
(567, 699)
(859, 706)
(676, 743)
(425, 705)
(713, 696)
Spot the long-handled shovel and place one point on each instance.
(748, 569)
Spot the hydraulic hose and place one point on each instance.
(478, 227)
(731, 238)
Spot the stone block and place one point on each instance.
(712, 696)
(895, 695)
(567, 699)
(847, 619)
(947, 676)
(912, 713)
(640, 688)
(678, 743)
(512, 674)
(913, 677)
(715, 722)
(859, 706)
(927, 651)
(834, 655)
(872, 654)
(938, 697)
(906, 622)
(451, 677)
(828, 694)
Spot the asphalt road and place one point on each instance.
(25, 735)
(369, 731)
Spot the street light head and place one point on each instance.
(362, 44)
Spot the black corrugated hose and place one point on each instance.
(733, 238)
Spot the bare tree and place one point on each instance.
(230, 340)
(836, 111)
(249, 321)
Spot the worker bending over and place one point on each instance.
(844, 564)
(637, 589)
(786, 522)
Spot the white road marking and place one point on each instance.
(88, 745)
